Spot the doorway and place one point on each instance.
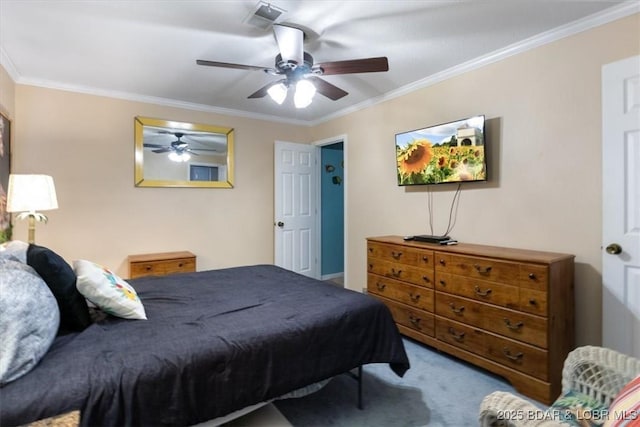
(332, 212)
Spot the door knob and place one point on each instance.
(280, 224)
(614, 249)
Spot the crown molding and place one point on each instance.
(617, 12)
(626, 9)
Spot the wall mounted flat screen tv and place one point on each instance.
(445, 153)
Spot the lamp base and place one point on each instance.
(32, 230)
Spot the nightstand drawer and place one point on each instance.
(161, 264)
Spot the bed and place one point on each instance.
(214, 342)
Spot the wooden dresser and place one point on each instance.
(509, 311)
(160, 264)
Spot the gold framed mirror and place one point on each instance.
(178, 154)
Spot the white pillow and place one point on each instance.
(106, 290)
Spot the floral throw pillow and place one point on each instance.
(106, 290)
(579, 410)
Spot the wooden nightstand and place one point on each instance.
(160, 264)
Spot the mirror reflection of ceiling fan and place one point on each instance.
(179, 150)
(299, 71)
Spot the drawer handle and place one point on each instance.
(371, 250)
(395, 273)
(456, 310)
(532, 301)
(426, 279)
(456, 336)
(396, 255)
(425, 258)
(370, 267)
(442, 261)
(532, 276)
(481, 269)
(443, 283)
(511, 326)
(480, 292)
(149, 267)
(180, 265)
(415, 321)
(380, 286)
(414, 297)
(514, 357)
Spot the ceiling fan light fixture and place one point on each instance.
(305, 91)
(179, 157)
(278, 93)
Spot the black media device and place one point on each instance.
(431, 239)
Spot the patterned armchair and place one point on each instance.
(599, 387)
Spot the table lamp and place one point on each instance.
(28, 194)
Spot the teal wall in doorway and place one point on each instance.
(332, 209)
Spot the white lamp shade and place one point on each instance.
(305, 90)
(278, 92)
(30, 193)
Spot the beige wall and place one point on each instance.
(544, 130)
(543, 110)
(86, 143)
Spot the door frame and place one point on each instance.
(345, 182)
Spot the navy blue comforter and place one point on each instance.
(214, 342)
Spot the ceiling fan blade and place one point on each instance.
(327, 89)
(154, 145)
(366, 65)
(262, 92)
(290, 41)
(162, 150)
(229, 65)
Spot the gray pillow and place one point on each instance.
(15, 249)
(29, 319)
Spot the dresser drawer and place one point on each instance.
(476, 267)
(516, 325)
(460, 335)
(481, 290)
(459, 309)
(534, 276)
(406, 273)
(413, 318)
(510, 323)
(522, 357)
(415, 296)
(401, 254)
(534, 302)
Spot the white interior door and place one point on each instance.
(621, 206)
(296, 207)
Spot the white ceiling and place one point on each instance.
(147, 49)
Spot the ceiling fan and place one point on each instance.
(179, 150)
(299, 71)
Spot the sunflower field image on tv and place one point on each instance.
(450, 152)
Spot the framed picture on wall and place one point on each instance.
(5, 169)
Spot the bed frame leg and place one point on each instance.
(358, 377)
(360, 405)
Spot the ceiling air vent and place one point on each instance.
(264, 15)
